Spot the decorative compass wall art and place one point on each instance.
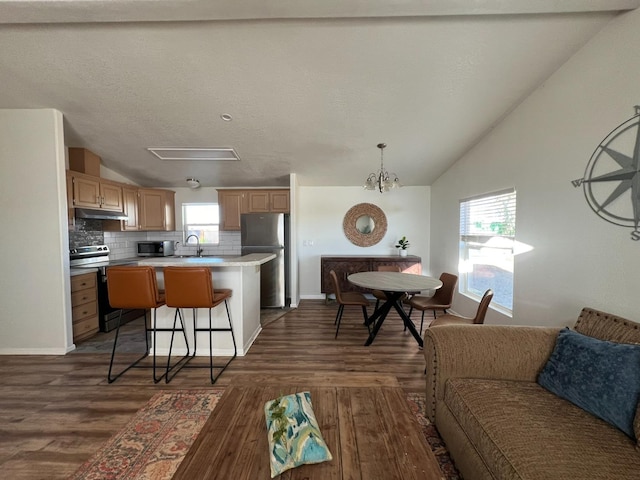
(611, 181)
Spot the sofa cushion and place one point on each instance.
(636, 426)
(600, 376)
(523, 431)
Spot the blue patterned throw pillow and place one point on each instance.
(294, 436)
(598, 376)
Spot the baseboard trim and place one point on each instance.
(36, 351)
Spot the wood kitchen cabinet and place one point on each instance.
(279, 201)
(170, 210)
(130, 209)
(71, 218)
(84, 306)
(258, 201)
(156, 209)
(95, 192)
(147, 209)
(233, 203)
(268, 201)
(345, 265)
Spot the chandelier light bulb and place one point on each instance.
(382, 180)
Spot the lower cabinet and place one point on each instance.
(345, 265)
(84, 305)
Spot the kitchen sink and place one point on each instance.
(205, 256)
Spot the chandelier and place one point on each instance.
(382, 180)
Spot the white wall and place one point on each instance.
(34, 246)
(578, 259)
(294, 220)
(321, 210)
(112, 175)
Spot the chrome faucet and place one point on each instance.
(198, 249)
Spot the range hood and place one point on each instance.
(99, 214)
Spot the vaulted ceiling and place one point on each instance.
(311, 86)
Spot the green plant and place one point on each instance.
(403, 243)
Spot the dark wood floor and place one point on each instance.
(56, 411)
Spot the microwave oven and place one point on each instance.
(156, 248)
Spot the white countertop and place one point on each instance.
(240, 261)
(81, 271)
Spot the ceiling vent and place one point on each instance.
(199, 154)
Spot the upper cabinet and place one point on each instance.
(151, 208)
(87, 189)
(268, 201)
(258, 201)
(95, 192)
(147, 209)
(169, 210)
(233, 203)
(130, 204)
(279, 201)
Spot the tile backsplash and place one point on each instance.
(86, 232)
(124, 244)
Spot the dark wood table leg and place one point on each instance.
(407, 321)
(381, 313)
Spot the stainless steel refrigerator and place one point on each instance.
(269, 233)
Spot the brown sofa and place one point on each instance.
(498, 423)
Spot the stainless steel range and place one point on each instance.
(97, 256)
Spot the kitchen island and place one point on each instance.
(241, 274)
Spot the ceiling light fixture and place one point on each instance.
(226, 117)
(382, 180)
(193, 183)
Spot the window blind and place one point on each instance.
(491, 215)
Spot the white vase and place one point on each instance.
(403, 252)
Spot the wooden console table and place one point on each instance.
(345, 265)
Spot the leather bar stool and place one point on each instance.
(192, 287)
(132, 287)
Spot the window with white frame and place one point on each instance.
(202, 220)
(487, 237)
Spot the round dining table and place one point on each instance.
(394, 285)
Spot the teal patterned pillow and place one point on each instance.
(294, 436)
(598, 376)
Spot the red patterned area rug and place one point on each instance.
(417, 404)
(153, 444)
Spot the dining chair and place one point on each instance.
(450, 319)
(441, 300)
(379, 294)
(348, 298)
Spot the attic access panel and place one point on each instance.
(214, 154)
